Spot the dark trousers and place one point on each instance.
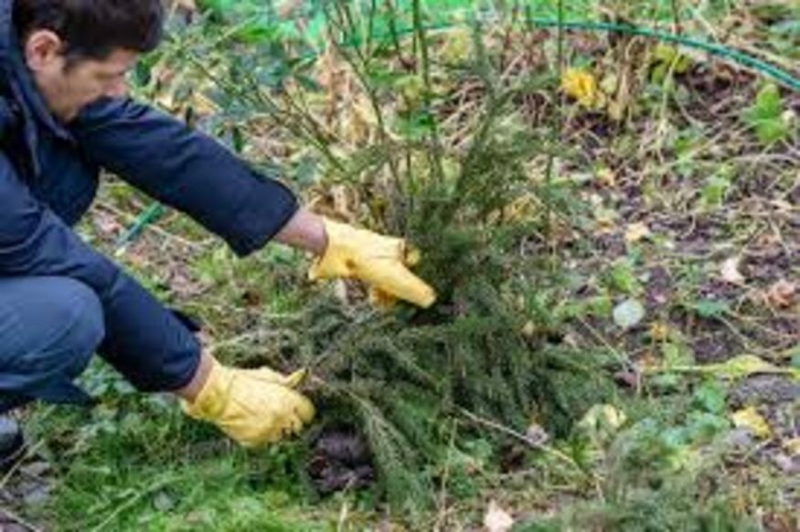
(49, 329)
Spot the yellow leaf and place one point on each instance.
(606, 177)
(582, 86)
(792, 446)
(457, 46)
(602, 416)
(659, 331)
(750, 419)
(636, 232)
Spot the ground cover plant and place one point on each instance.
(611, 223)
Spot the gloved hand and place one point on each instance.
(381, 262)
(252, 406)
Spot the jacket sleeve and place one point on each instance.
(185, 169)
(145, 341)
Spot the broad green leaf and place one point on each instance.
(623, 278)
(676, 355)
(708, 308)
(703, 426)
(709, 397)
(714, 190)
(765, 116)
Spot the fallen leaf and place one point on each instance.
(677, 354)
(629, 313)
(659, 331)
(750, 419)
(792, 446)
(730, 271)
(582, 86)
(605, 220)
(602, 416)
(528, 329)
(497, 519)
(636, 232)
(606, 177)
(782, 294)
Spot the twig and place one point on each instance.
(30, 451)
(19, 520)
(526, 440)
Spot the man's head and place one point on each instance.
(81, 50)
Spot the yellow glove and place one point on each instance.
(252, 406)
(379, 261)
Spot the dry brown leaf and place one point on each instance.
(730, 271)
(782, 294)
(497, 519)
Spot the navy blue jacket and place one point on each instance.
(49, 176)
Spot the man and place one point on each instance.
(63, 116)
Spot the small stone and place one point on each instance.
(537, 435)
(627, 379)
(740, 439)
(786, 463)
(761, 389)
(163, 502)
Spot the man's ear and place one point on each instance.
(42, 50)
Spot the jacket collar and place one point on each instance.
(19, 79)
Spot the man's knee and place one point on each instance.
(61, 325)
(49, 329)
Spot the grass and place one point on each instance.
(688, 164)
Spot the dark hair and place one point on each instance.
(93, 29)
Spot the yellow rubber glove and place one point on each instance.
(252, 406)
(381, 262)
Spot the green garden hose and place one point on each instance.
(771, 71)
